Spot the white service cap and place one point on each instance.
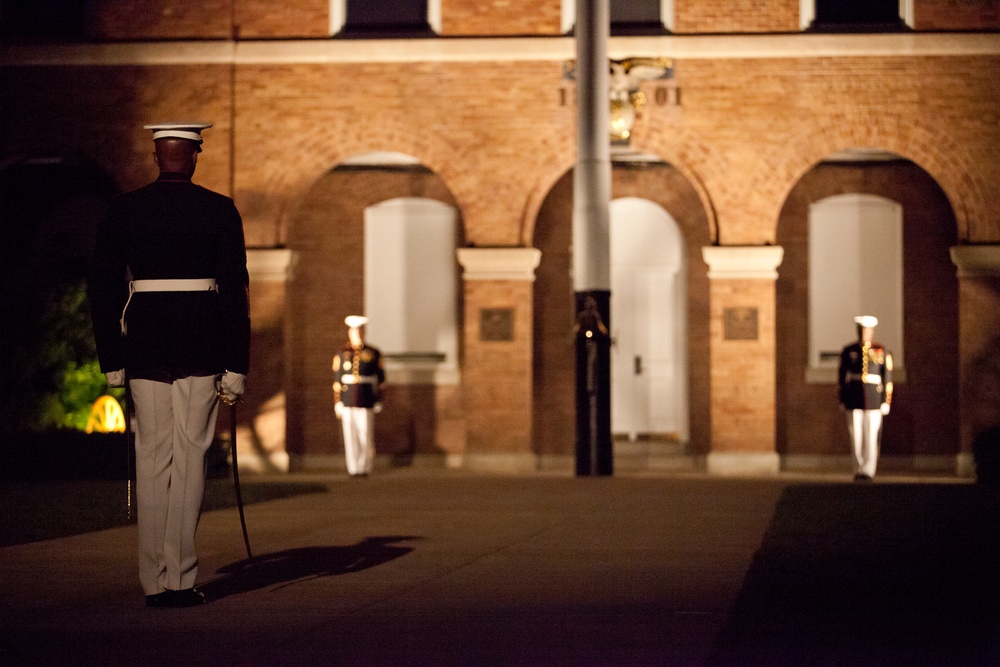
(867, 321)
(178, 130)
(355, 321)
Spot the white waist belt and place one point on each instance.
(867, 378)
(360, 379)
(174, 285)
(167, 285)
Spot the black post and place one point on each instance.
(593, 384)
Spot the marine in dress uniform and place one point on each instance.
(865, 379)
(357, 381)
(170, 300)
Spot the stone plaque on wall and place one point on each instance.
(496, 324)
(739, 324)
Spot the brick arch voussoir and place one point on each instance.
(935, 152)
(550, 170)
(325, 148)
(694, 159)
(688, 155)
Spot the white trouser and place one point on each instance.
(175, 425)
(865, 427)
(359, 440)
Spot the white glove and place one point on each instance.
(116, 378)
(338, 409)
(884, 409)
(231, 386)
(377, 408)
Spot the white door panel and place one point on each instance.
(648, 369)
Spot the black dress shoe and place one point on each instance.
(188, 597)
(861, 477)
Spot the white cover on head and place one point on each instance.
(178, 130)
(355, 321)
(867, 321)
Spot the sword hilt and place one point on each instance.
(229, 401)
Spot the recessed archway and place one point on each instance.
(327, 236)
(923, 426)
(666, 187)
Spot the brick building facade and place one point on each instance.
(763, 118)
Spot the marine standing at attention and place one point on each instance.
(357, 394)
(865, 380)
(170, 299)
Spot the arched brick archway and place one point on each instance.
(924, 420)
(329, 145)
(549, 229)
(680, 150)
(551, 170)
(696, 160)
(326, 234)
(934, 151)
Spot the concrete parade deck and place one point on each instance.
(435, 567)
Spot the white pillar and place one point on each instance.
(592, 175)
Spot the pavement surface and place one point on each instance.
(434, 567)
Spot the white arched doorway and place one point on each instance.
(648, 323)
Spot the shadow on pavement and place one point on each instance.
(872, 574)
(287, 567)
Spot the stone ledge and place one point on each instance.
(976, 261)
(268, 264)
(743, 262)
(499, 263)
(498, 49)
(743, 463)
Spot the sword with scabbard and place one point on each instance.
(232, 402)
(128, 448)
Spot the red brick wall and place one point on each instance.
(208, 19)
(496, 375)
(980, 351)
(739, 16)
(160, 19)
(264, 19)
(297, 120)
(99, 113)
(742, 371)
(500, 17)
(956, 15)
(771, 120)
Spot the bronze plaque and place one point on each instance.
(496, 324)
(739, 324)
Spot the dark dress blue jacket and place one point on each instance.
(358, 375)
(864, 376)
(171, 229)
